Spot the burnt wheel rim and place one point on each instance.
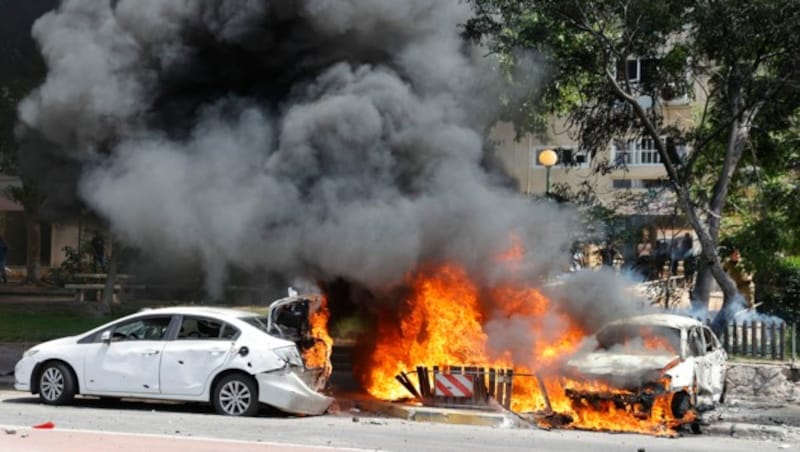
(52, 384)
(235, 398)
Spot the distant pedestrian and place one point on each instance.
(741, 277)
(98, 253)
(644, 255)
(608, 254)
(3, 256)
(577, 261)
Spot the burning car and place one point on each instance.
(230, 358)
(642, 360)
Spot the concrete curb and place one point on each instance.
(746, 431)
(506, 420)
(441, 415)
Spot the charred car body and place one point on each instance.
(233, 359)
(640, 359)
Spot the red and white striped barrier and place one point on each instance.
(453, 385)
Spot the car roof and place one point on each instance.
(665, 320)
(200, 310)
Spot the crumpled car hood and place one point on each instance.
(615, 365)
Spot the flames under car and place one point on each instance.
(641, 360)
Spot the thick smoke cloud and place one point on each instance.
(309, 138)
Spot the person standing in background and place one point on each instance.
(742, 278)
(98, 253)
(3, 256)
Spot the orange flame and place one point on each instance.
(319, 354)
(444, 322)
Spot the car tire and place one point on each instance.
(56, 384)
(681, 404)
(236, 395)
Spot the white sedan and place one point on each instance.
(222, 356)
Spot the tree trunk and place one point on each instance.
(702, 287)
(33, 251)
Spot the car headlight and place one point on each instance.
(30, 352)
(290, 355)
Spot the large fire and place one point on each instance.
(444, 321)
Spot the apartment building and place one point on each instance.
(642, 170)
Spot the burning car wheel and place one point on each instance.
(236, 395)
(56, 384)
(681, 404)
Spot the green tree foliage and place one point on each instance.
(741, 55)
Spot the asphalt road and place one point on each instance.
(92, 424)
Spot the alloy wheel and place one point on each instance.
(52, 383)
(235, 398)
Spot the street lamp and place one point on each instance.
(548, 158)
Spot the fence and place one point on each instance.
(764, 340)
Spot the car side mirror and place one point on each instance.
(105, 337)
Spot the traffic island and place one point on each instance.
(442, 415)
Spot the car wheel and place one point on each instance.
(681, 404)
(236, 395)
(56, 384)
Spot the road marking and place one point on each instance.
(26, 439)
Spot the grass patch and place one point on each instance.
(21, 326)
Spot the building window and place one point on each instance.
(567, 157)
(640, 151)
(640, 72)
(622, 184)
(637, 70)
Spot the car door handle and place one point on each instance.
(216, 352)
(151, 352)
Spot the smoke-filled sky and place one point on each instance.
(312, 139)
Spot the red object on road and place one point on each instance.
(453, 385)
(46, 425)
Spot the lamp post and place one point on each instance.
(548, 158)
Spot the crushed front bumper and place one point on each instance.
(285, 389)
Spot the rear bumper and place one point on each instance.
(285, 389)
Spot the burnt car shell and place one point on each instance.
(644, 356)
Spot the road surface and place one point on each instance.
(95, 425)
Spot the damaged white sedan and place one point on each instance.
(233, 359)
(641, 358)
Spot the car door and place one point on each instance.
(696, 349)
(714, 358)
(203, 345)
(129, 363)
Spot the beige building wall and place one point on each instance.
(519, 156)
(63, 234)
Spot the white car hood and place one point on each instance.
(615, 365)
(56, 342)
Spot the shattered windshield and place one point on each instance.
(640, 339)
